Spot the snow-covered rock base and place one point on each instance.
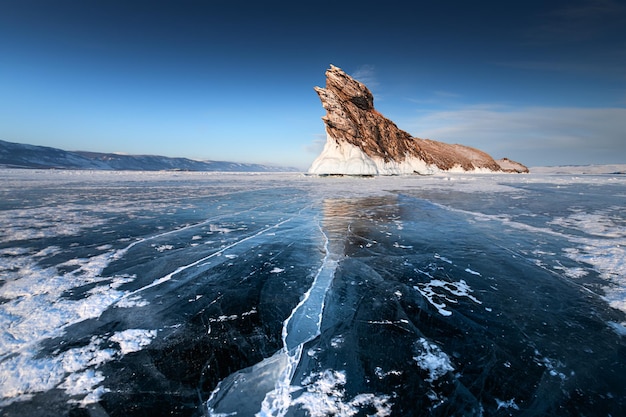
(342, 158)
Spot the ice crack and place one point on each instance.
(272, 377)
(301, 326)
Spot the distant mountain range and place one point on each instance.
(17, 155)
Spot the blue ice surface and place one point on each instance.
(282, 294)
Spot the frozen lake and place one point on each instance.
(204, 294)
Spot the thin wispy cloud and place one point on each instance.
(367, 75)
(437, 98)
(536, 135)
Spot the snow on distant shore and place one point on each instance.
(581, 169)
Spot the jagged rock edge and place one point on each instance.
(361, 141)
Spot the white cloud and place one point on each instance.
(534, 135)
(366, 74)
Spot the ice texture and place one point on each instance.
(176, 293)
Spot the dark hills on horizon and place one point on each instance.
(17, 155)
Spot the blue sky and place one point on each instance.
(541, 82)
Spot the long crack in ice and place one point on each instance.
(276, 373)
(300, 327)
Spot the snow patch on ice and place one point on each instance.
(84, 384)
(603, 247)
(337, 341)
(435, 293)
(432, 359)
(74, 371)
(130, 302)
(39, 305)
(378, 371)
(507, 404)
(397, 245)
(14, 251)
(600, 224)
(36, 306)
(232, 317)
(220, 229)
(224, 318)
(325, 396)
(25, 374)
(133, 340)
(163, 248)
(46, 221)
(572, 272)
(443, 258)
(554, 367)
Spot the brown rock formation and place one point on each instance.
(351, 118)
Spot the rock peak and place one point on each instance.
(361, 141)
(349, 89)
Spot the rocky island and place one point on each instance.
(361, 141)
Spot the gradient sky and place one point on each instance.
(540, 82)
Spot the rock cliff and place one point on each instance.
(361, 141)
